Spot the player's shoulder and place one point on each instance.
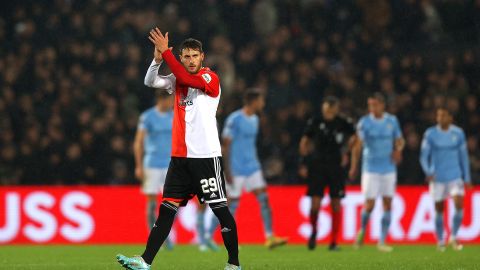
(148, 113)
(234, 115)
(430, 131)
(391, 117)
(208, 75)
(364, 120)
(457, 130)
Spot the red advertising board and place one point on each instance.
(83, 214)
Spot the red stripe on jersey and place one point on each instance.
(179, 146)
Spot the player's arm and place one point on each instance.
(425, 158)
(465, 161)
(356, 151)
(228, 134)
(226, 142)
(138, 148)
(399, 143)
(153, 79)
(209, 84)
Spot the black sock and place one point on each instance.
(160, 230)
(229, 230)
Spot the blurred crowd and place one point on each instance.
(71, 75)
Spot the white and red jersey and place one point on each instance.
(195, 133)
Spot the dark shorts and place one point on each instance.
(321, 176)
(187, 177)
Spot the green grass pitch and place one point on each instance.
(251, 256)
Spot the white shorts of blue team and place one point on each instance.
(376, 185)
(441, 191)
(240, 182)
(154, 180)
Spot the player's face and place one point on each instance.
(444, 118)
(165, 103)
(192, 60)
(375, 106)
(259, 104)
(329, 112)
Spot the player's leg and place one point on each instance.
(387, 191)
(201, 227)
(457, 192)
(370, 189)
(257, 185)
(314, 209)
(176, 192)
(208, 179)
(439, 194)
(337, 192)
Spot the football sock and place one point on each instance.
(365, 218)
(232, 206)
(160, 230)
(151, 213)
(229, 230)
(457, 221)
(201, 226)
(386, 218)
(313, 220)
(439, 227)
(266, 213)
(336, 221)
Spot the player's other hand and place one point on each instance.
(352, 173)
(139, 173)
(397, 157)
(157, 54)
(303, 171)
(430, 178)
(158, 39)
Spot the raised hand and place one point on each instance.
(159, 40)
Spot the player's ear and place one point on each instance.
(202, 56)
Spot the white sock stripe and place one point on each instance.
(173, 207)
(220, 205)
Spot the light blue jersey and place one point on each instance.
(158, 139)
(242, 130)
(378, 136)
(444, 154)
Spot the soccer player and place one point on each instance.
(196, 163)
(380, 137)
(444, 160)
(243, 168)
(325, 144)
(152, 148)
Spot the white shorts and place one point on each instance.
(376, 184)
(440, 191)
(249, 183)
(154, 180)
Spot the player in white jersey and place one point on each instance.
(196, 165)
(152, 147)
(380, 137)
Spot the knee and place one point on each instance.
(172, 202)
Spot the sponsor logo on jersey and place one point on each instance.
(207, 77)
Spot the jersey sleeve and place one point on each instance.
(397, 131)
(464, 159)
(229, 128)
(142, 122)
(425, 154)
(154, 80)
(310, 128)
(361, 129)
(208, 82)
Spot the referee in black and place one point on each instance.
(324, 157)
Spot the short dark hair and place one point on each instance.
(251, 95)
(331, 101)
(191, 43)
(378, 96)
(161, 94)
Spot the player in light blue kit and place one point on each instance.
(380, 136)
(152, 150)
(444, 160)
(242, 167)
